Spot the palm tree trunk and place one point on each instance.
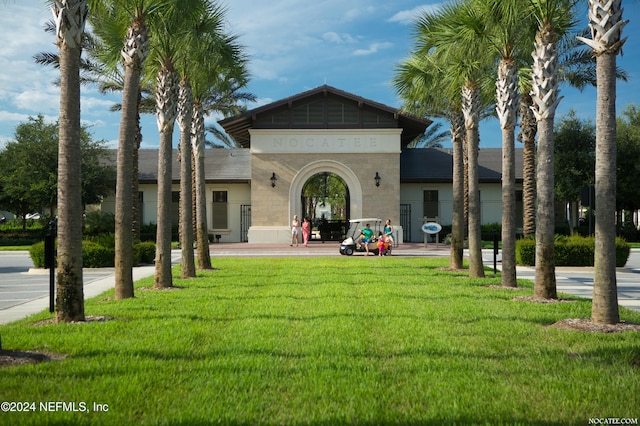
(124, 186)
(507, 95)
(202, 236)
(545, 95)
(166, 114)
(545, 280)
(470, 108)
(605, 20)
(528, 127)
(70, 16)
(186, 213)
(457, 223)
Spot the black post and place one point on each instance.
(49, 262)
(495, 252)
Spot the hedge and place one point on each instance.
(570, 251)
(95, 255)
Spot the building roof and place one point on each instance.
(324, 107)
(436, 165)
(221, 165)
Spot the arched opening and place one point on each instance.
(351, 185)
(325, 202)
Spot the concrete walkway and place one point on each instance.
(575, 281)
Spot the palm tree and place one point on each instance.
(185, 119)
(605, 21)
(418, 81)
(216, 88)
(171, 31)
(506, 24)
(432, 137)
(528, 130)
(554, 17)
(120, 26)
(458, 36)
(70, 17)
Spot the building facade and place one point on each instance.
(253, 192)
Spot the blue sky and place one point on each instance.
(293, 46)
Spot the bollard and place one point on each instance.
(495, 252)
(49, 262)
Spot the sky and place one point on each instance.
(292, 45)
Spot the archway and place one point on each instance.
(329, 167)
(325, 202)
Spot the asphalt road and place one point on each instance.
(18, 285)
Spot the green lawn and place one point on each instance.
(324, 341)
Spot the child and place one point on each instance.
(382, 245)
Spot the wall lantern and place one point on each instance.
(273, 180)
(377, 179)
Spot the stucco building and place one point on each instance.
(253, 192)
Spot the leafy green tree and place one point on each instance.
(575, 144)
(628, 169)
(27, 188)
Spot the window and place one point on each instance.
(219, 210)
(430, 204)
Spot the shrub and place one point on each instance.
(97, 222)
(146, 252)
(37, 254)
(95, 255)
(526, 251)
(99, 252)
(570, 251)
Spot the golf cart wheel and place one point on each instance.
(348, 251)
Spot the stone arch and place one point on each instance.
(330, 166)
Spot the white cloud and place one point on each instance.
(373, 48)
(407, 17)
(334, 37)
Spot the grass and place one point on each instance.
(326, 341)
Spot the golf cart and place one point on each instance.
(351, 244)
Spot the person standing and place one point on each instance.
(388, 232)
(306, 231)
(295, 230)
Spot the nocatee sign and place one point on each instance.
(323, 141)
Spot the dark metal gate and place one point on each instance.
(245, 222)
(405, 221)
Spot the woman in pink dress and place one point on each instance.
(306, 231)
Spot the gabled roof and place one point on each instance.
(324, 107)
(220, 165)
(436, 165)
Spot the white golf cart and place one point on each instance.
(352, 243)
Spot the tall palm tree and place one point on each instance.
(217, 81)
(605, 21)
(527, 135)
(418, 81)
(507, 35)
(185, 120)
(458, 37)
(554, 18)
(70, 17)
(121, 27)
(171, 31)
